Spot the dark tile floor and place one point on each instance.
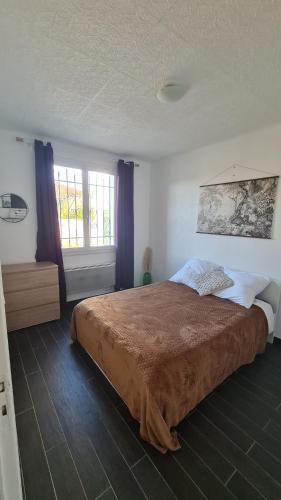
(77, 439)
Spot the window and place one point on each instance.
(85, 202)
(69, 192)
(101, 209)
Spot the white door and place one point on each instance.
(10, 478)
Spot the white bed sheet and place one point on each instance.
(268, 311)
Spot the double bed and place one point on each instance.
(164, 348)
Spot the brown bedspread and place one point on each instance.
(164, 348)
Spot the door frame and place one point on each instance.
(10, 474)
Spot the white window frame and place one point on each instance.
(86, 167)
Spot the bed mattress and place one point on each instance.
(164, 348)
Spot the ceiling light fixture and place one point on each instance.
(171, 92)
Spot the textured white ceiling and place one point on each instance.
(88, 70)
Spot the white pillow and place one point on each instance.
(246, 287)
(178, 276)
(198, 266)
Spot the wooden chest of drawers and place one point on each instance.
(31, 294)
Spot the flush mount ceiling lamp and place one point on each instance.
(171, 92)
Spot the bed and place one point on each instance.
(164, 348)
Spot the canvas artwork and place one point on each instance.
(241, 208)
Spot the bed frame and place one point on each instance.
(272, 295)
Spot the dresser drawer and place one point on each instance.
(14, 282)
(24, 299)
(32, 316)
(31, 292)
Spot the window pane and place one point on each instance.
(69, 193)
(101, 208)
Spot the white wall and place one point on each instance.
(142, 214)
(18, 241)
(174, 205)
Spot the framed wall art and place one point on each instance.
(239, 208)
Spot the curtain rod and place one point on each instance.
(24, 141)
(135, 164)
(28, 141)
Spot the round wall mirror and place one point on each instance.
(13, 208)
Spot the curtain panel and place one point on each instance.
(125, 226)
(48, 233)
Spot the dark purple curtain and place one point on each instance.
(125, 226)
(48, 233)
